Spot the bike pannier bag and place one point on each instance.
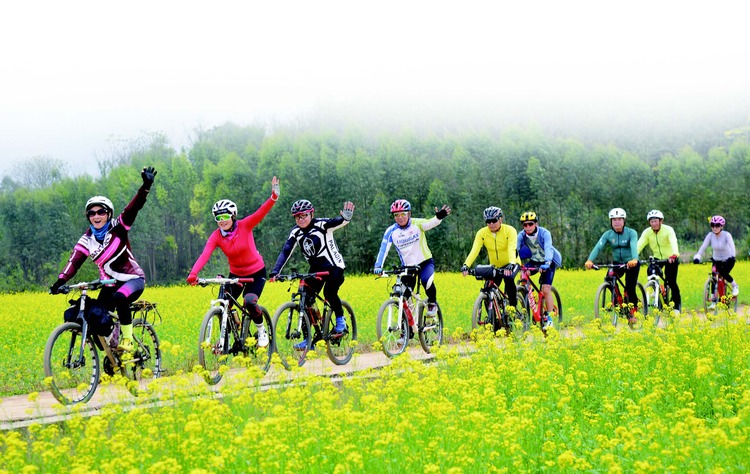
(99, 319)
(71, 314)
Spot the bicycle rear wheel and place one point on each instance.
(291, 335)
(340, 346)
(72, 375)
(146, 361)
(605, 307)
(392, 328)
(257, 356)
(430, 328)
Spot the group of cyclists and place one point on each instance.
(106, 242)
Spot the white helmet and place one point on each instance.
(654, 214)
(617, 212)
(100, 201)
(224, 206)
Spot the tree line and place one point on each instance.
(570, 184)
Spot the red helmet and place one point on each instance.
(400, 205)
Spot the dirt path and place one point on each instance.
(19, 410)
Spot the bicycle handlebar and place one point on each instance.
(223, 280)
(598, 266)
(299, 276)
(85, 285)
(653, 260)
(401, 271)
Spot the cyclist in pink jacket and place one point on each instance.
(235, 238)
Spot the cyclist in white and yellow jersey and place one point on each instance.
(408, 236)
(500, 240)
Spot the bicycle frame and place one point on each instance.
(404, 315)
(613, 283)
(298, 326)
(495, 301)
(715, 292)
(69, 344)
(226, 302)
(533, 292)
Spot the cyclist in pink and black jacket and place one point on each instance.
(235, 238)
(106, 242)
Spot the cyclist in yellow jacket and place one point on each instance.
(662, 241)
(500, 241)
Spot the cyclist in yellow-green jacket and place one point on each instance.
(500, 241)
(662, 241)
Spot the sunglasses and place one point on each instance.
(528, 224)
(223, 217)
(299, 217)
(491, 221)
(400, 214)
(715, 225)
(98, 212)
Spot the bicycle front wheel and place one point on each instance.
(291, 335)
(430, 328)
(340, 345)
(605, 307)
(258, 356)
(558, 309)
(392, 328)
(523, 315)
(642, 306)
(213, 347)
(71, 366)
(146, 361)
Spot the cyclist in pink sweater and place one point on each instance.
(235, 238)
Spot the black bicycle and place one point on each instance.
(71, 356)
(294, 319)
(491, 308)
(227, 332)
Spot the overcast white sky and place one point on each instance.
(77, 74)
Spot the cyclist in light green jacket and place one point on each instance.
(662, 241)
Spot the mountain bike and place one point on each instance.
(226, 332)
(491, 308)
(611, 299)
(530, 296)
(293, 320)
(72, 363)
(715, 292)
(658, 293)
(404, 314)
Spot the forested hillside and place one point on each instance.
(570, 183)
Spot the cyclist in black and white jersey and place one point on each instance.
(315, 238)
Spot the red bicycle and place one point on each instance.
(715, 293)
(531, 298)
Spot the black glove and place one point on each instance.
(464, 269)
(442, 214)
(55, 288)
(148, 175)
(696, 260)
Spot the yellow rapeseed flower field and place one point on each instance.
(586, 398)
